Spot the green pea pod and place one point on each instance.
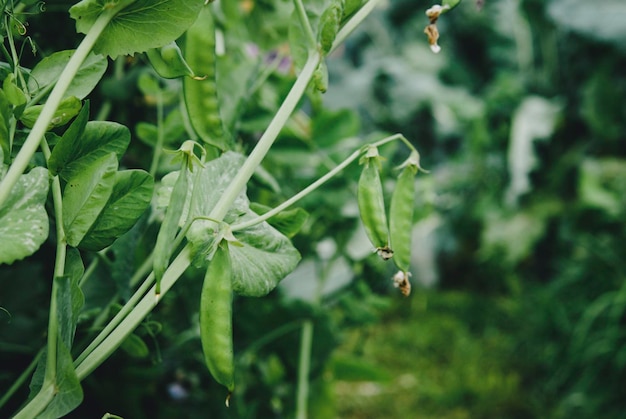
(200, 93)
(372, 205)
(167, 233)
(320, 77)
(401, 217)
(330, 21)
(168, 61)
(216, 329)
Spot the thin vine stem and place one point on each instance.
(306, 25)
(319, 182)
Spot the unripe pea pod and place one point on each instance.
(200, 93)
(401, 216)
(372, 204)
(167, 233)
(216, 327)
(168, 61)
(320, 77)
(330, 21)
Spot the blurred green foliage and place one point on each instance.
(520, 120)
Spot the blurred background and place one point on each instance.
(519, 257)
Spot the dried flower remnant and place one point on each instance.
(431, 30)
(401, 281)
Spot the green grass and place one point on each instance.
(440, 355)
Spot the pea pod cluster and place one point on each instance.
(216, 328)
(371, 203)
(200, 93)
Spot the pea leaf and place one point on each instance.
(288, 222)
(298, 41)
(23, 219)
(78, 150)
(47, 72)
(85, 195)
(129, 199)
(68, 393)
(265, 257)
(68, 109)
(141, 25)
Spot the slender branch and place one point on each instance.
(319, 182)
(134, 318)
(119, 317)
(267, 139)
(313, 186)
(306, 25)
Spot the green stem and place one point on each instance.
(158, 147)
(37, 403)
(354, 21)
(47, 113)
(267, 139)
(306, 25)
(59, 271)
(119, 317)
(304, 367)
(313, 186)
(134, 317)
(317, 183)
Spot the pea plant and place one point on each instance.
(59, 167)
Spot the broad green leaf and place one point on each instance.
(288, 222)
(68, 109)
(62, 150)
(210, 184)
(266, 256)
(23, 219)
(130, 198)
(5, 118)
(72, 155)
(85, 195)
(141, 25)
(14, 94)
(47, 72)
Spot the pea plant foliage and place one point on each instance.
(62, 167)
